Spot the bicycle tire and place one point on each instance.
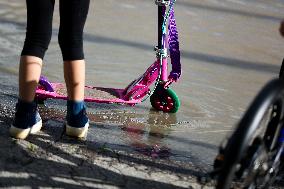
(281, 73)
(238, 143)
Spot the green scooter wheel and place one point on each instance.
(165, 100)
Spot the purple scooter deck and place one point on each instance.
(92, 94)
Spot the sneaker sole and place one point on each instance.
(36, 127)
(19, 133)
(77, 132)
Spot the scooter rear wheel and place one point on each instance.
(43, 84)
(165, 100)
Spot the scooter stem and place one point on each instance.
(162, 48)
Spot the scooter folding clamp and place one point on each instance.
(162, 2)
(161, 52)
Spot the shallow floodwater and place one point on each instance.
(230, 49)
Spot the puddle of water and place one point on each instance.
(225, 60)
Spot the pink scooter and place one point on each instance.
(162, 97)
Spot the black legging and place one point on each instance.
(73, 14)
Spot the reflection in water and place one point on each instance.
(145, 134)
(148, 138)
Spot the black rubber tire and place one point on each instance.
(281, 73)
(271, 95)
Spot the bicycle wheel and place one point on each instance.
(281, 73)
(251, 156)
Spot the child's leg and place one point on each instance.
(77, 121)
(74, 74)
(73, 15)
(29, 74)
(38, 34)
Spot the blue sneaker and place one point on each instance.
(26, 121)
(77, 121)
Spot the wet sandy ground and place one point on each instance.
(230, 49)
